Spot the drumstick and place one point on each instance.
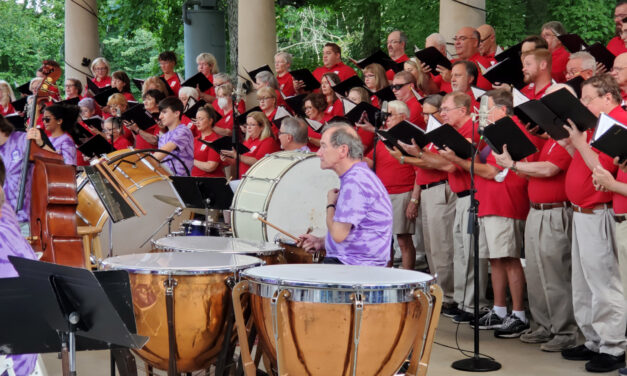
(259, 217)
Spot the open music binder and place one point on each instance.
(610, 137)
(506, 132)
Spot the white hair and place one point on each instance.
(189, 91)
(400, 107)
(587, 60)
(437, 38)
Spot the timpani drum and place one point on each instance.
(144, 178)
(270, 253)
(338, 319)
(289, 189)
(196, 285)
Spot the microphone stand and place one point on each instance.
(235, 134)
(476, 363)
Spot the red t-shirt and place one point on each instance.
(579, 187)
(121, 143)
(459, 180)
(506, 199)
(616, 46)
(552, 189)
(529, 91)
(558, 64)
(336, 109)
(8, 110)
(140, 143)
(428, 175)
(313, 134)
(374, 100)
(104, 82)
(129, 96)
(341, 69)
(367, 139)
(174, 82)
(390, 73)
(190, 124)
(286, 84)
(620, 201)
(212, 90)
(415, 112)
(204, 153)
(396, 177)
(258, 149)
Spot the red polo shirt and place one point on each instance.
(552, 189)
(616, 46)
(506, 199)
(620, 201)
(579, 187)
(396, 177)
(286, 84)
(415, 112)
(258, 149)
(390, 73)
(336, 109)
(341, 69)
(558, 64)
(428, 175)
(204, 153)
(529, 91)
(459, 180)
(174, 82)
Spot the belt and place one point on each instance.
(431, 185)
(463, 193)
(579, 209)
(620, 218)
(552, 205)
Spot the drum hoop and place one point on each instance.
(218, 269)
(296, 158)
(336, 294)
(268, 252)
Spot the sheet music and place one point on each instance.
(519, 98)
(281, 113)
(481, 67)
(315, 125)
(433, 123)
(477, 92)
(348, 105)
(604, 124)
(416, 94)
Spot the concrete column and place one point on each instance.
(256, 36)
(454, 16)
(81, 37)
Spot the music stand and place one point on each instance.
(52, 308)
(203, 193)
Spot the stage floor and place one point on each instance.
(516, 358)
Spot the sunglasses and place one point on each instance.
(46, 119)
(398, 86)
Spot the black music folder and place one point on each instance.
(253, 73)
(447, 136)
(405, 132)
(103, 96)
(225, 143)
(314, 124)
(19, 104)
(575, 83)
(506, 132)
(432, 57)
(69, 102)
(345, 86)
(191, 112)
(602, 55)
(79, 134)
(17, 121)
(355, 115)
(24, 89)
(138, 115)
(307, 77)
(91, 86)
(280, 114)
(96, 146)
(295, 103)
(167, 86)
(203, 192)
(610, 137)
(94, 122)
(241, 119)
(513, 53)
(380, 57)
(386, 94)
(139, 84)
(199, 80)
(572, 42)
(551, 111)
(507, 71)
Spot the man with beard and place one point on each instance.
(536, 72)
(617, 44)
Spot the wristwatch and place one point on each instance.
(414, 200)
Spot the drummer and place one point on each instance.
(293, 135)
(359, 214)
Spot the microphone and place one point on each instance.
(483, 114)
(384, 111)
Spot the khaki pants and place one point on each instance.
(621, 245)
(464, 261)
(598, 298)
(548, 270)
(438, 214)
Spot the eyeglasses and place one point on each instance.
(587, 100)
(430, 113)
(444, 110)
(462, 38)
(100, 68)
(394, 41)
(280, 133)
(70, 85)
(369, 76)
(308, 108)
(46, 120)
(398, 86)
(264, 98)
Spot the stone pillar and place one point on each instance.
(454, 16)
(256, 36)
(81, 37)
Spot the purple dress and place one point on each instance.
(365, 204)
(13, 244)
(184, 140)
(12, 152)
(64, 145)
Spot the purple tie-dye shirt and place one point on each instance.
(64, 145)
(12, 153)
(184, 140)
(13, 244)
(363, 202)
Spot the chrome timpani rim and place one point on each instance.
(193, 263)
(267, 280)
(216, 244)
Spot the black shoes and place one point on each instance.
(512, 327)
(605, 363)
(580, 352)
(450, 310)
(464, 317)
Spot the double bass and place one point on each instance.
(53, 225)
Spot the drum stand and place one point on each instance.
(167, 221)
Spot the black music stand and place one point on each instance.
(52, 308)
(203, 193)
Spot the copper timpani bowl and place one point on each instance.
(201, 301)
(318, 319)
(270, 253)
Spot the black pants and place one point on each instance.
(332, 260)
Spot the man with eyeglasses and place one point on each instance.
(455, 111)
(580, 64)
(293, 135)
(397, 40)
(617, 44)
(598, 298)
(536, 73)
(403, 85)
(559, 55)
(487, 44)
(619, 72)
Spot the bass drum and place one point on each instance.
(144, 178)
(287, 188)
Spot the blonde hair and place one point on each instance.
(267, 91)
(210, 60)
(380, 80)
(226, 88)
(97, 61)
(117, 99)
(262, 120)
(4, 84)
(156, 81)
(420, 76)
